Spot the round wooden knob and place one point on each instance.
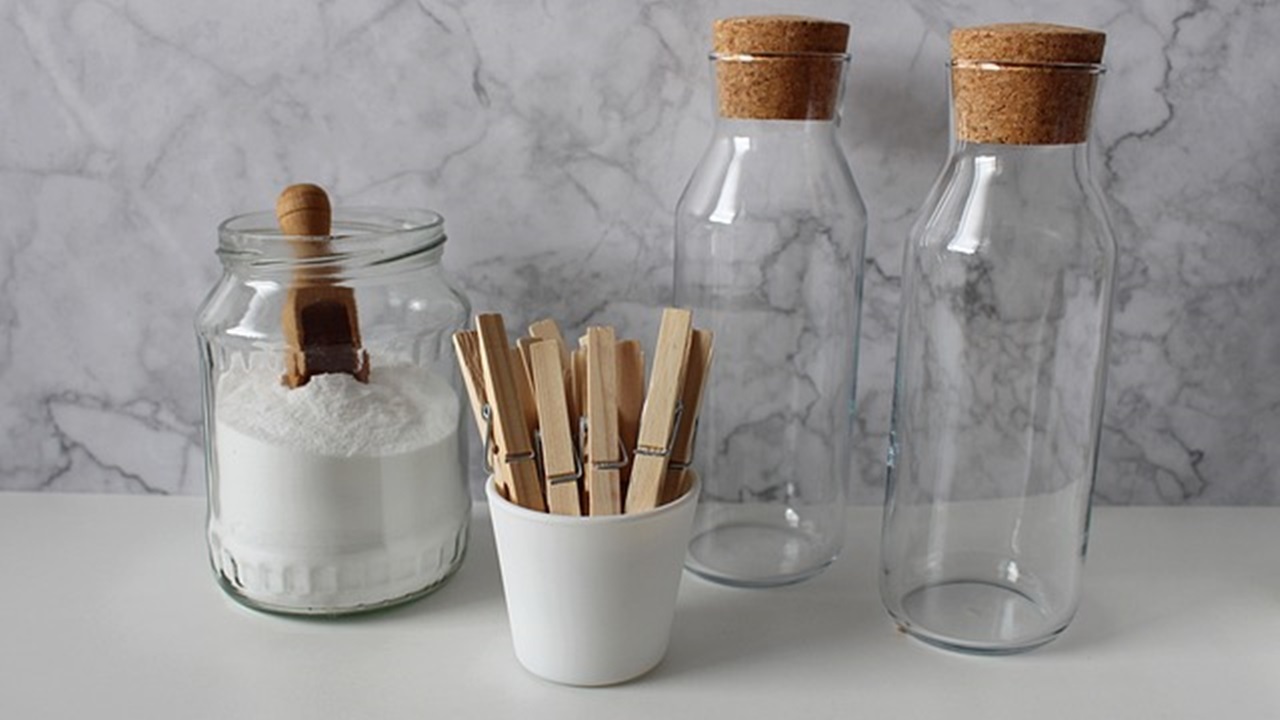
(304, 210)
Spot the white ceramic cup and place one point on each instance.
(591, 599)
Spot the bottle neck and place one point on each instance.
(1023, 103)
(777, 131)
(1066, 160)
(779, 86)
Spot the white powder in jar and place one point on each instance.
(339, 494)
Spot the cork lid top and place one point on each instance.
(759, 34)
(1027, 43)
(1024, 83)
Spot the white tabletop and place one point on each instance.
(108, 609)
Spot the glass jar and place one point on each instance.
(340, 495)
(770, 235)
(1006, 304)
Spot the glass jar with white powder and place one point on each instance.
(349, 491)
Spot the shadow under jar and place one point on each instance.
(1006, 307)
(342, 494)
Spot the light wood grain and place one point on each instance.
(524, 389)
(697, 369)
(630, 399)
(578, 388)
(657, 420)
(547, 329)
(603, 484)
(559, 458)
(303, 210)
(524, 345)
(466, 345)
(511, 432)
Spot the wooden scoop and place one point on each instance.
(320, 323)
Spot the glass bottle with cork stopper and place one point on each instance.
(770, 234)
(1006, 307)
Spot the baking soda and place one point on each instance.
(339, 494)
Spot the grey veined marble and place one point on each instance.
(555, 137)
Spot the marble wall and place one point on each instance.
(555, 137)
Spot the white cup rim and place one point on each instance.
(497, 501)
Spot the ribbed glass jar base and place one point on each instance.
(335, 583)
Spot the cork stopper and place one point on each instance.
(779, 67)
(1024, 83)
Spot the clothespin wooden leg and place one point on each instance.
(630, 400)
(560, 460)
(510, 428)
(658, 419)
(603, 457)
(697, 369)
(466, 345)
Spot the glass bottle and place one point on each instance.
(1006, 305)
(340, 495)
(770, 234)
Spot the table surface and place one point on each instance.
(108, 609)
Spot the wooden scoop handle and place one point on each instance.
(321, 327)
(304, 210)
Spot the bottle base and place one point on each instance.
(977, 617)
(756, 555)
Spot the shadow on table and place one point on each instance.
(720, 628)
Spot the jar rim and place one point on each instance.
(749, 57)
(361, 235)
(970, 64)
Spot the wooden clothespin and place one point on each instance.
(516, 458)
(658, 419)
(547, 329)
(321, 327)
(603, 457)
(524, 345)
(578, 387)
(560, 459)
(630, 399)
(466, 345)
(524, 389)
(696, 372)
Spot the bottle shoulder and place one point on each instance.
(981, 207)
(746, 177)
